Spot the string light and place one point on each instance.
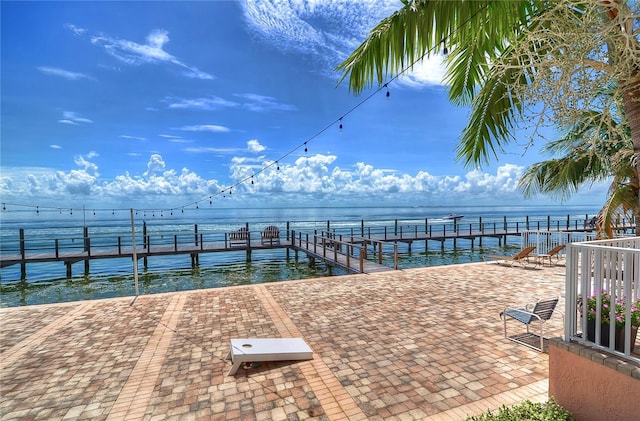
(340, 126)
(4, 207)
(37, 210)
(388, 94)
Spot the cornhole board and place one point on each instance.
(267, 349)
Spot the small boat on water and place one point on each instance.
(453, 216)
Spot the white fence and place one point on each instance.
(546, 240)
(600, 273)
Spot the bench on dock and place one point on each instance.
(270, 235)
(240, 237)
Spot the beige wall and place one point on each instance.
(590, 390)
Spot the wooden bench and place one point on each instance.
(240, 237)
(270, 235)
(251, 350)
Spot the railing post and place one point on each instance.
(201, 242)
(144, 234)
(361, 261)
(119, 245)
(57, 249)
(85, 234)
(195, 234)
(175, 241)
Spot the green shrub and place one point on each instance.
(527, 411)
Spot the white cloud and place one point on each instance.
(330, 31)
(205, 128)
(151, 52)
(317, 177)
(206, 149)
(261, 103)
(70, 117)
(124, 136)
(55, 146)
(254, 146)
(76, 30)
(69, 75)
(206, 104)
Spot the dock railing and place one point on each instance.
(599, 274)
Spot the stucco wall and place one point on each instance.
(593, 386)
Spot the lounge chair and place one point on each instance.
(520, 258)
(270, 235)
(539, 312)
(554, 252)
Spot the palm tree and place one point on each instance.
(501, 48)
(588, 154)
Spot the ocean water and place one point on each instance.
(47, 282)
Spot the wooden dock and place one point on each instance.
(355, 250)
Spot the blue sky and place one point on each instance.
(161, 104)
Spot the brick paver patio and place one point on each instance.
(418, 344)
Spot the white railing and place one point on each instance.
(598, 273)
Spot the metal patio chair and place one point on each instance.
(536, 313)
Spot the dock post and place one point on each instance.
(395, 231)
(68, 264)
(195, 235)
(23, 265)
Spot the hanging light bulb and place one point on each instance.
(70, 211)
(340, 126)
(444, 50)
(37, 210)
(277, 166)
(305, 147)
(251, 179)
(4, 207)
(94, 212)
(388, 94)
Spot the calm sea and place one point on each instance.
(47, 282)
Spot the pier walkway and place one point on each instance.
(396, 345)
(349, 249)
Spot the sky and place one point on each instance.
(160, 105)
